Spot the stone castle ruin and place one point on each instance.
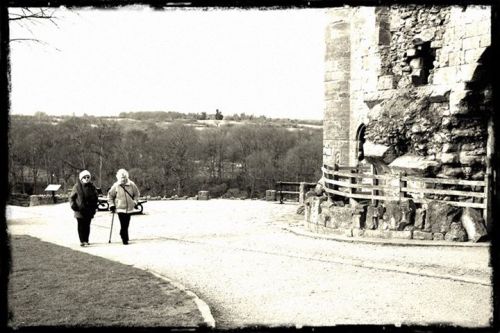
(408, 123)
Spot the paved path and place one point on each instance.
(238, 258)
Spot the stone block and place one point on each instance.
(474, 225)
(408, 209)
(426, 35)
(358, 232)
(450, 172)
(416, 63)
(330, 231)
(448, 158)
(341, 216)
(449, 147)
(392, 215)
(385, 82)
(436, 44)
(203, 195)
(459, 35)
(464, 132)
(413, 165)
(315, 209)
(396, 234)
(439, 217)
(40, 199)
(485, 40)
(444, 75)
(270, 195)
(457, 102)
(471, 43)
(372, 233)
(422, 235)
(419, 218)
(439, 94)
(472, 56)
(467, 158)
(373, 214)
(377, 152)
(455, 58)
(386, 234)
(410, 53)
(457, 233)
(358, 216)
(471, 30)
(357, 222)
(437, 236)
(464, 73)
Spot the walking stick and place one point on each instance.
(111, 229)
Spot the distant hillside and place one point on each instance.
(168, 116)
(143, 120)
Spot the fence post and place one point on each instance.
(302, 192)
(335, 177)
(279, 190)
(401, 184)
(352, 180)
(487, 200)
(374, 183)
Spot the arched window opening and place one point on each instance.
(360, 140)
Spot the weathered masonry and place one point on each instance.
(408, 123)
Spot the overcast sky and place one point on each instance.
(103, 62)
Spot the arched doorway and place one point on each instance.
(360, 140)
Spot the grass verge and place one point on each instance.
(50, 285)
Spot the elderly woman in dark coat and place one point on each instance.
(83, 201)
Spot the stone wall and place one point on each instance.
(395, 220)
(415, 76)
(433, 97)
(19, 199)
(337, 76)
(43, 199)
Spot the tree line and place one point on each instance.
(163, 161)
(174, 115)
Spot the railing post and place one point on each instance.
(302, 192)
(352, 180)
(487, 201)
(335, 177)
(280, 185)
(374, 183)
(401, 184)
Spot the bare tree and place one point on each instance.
(29, 17)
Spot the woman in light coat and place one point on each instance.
(83, 201)
(122, 198)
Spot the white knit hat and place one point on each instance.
(121, 172)
(83, 173)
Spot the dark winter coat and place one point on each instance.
(83, 200)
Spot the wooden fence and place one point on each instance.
(292, 188)
(350, 183)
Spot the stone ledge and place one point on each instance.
(305, 230)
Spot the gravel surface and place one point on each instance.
(237, 257)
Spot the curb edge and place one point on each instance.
(203, 307)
